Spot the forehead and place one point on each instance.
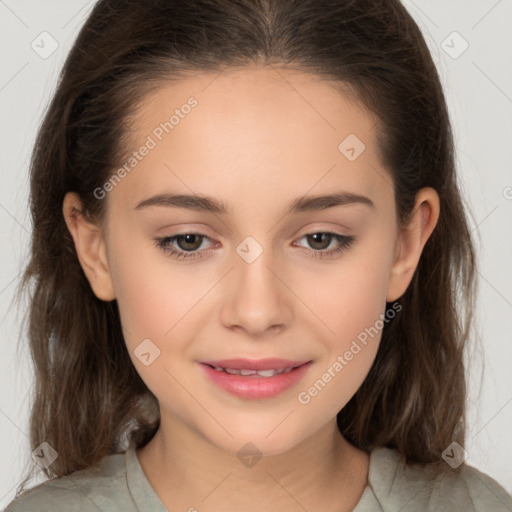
(256, 131)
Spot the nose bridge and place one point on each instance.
(258, 299)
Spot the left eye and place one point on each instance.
(318, 239)
(189, 243)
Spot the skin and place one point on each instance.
(257, 140)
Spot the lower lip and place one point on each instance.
(256, 388)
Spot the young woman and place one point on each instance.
(248, 246)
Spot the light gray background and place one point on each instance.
(478, 86)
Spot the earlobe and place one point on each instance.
(90, 247)
(411, 241)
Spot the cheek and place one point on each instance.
(156, 302)
(154, 296)
(347, 296)
(351, 307)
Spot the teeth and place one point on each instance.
(248, 373)
(268, 373)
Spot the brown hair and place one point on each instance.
(87, 391)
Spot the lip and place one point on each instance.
(255, 364)
(255, 387)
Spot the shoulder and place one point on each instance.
(100, 487)
(414, 488)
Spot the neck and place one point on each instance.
(323, 472)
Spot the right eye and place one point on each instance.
(188, 245)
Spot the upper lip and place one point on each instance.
(255, 364)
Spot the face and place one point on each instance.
(264, 277)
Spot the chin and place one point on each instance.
(258, 442)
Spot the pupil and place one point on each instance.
(188, 239)
(317, 239)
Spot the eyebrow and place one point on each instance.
(212, 205)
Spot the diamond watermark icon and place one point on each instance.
(44, 455)
(249, 455)
(146, 352)
(455, 45)
(454, 455)
(44, 45)
(249, 250)
(352, 147)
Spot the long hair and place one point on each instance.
(89, 400)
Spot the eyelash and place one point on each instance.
(345, 242)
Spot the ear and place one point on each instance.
(90, 247)
(411, 240)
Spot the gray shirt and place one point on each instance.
(118, 483)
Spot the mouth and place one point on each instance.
(246, 372)
(255, 379)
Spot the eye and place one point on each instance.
(188, 244)
(322, 240)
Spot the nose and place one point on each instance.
(257, 300)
